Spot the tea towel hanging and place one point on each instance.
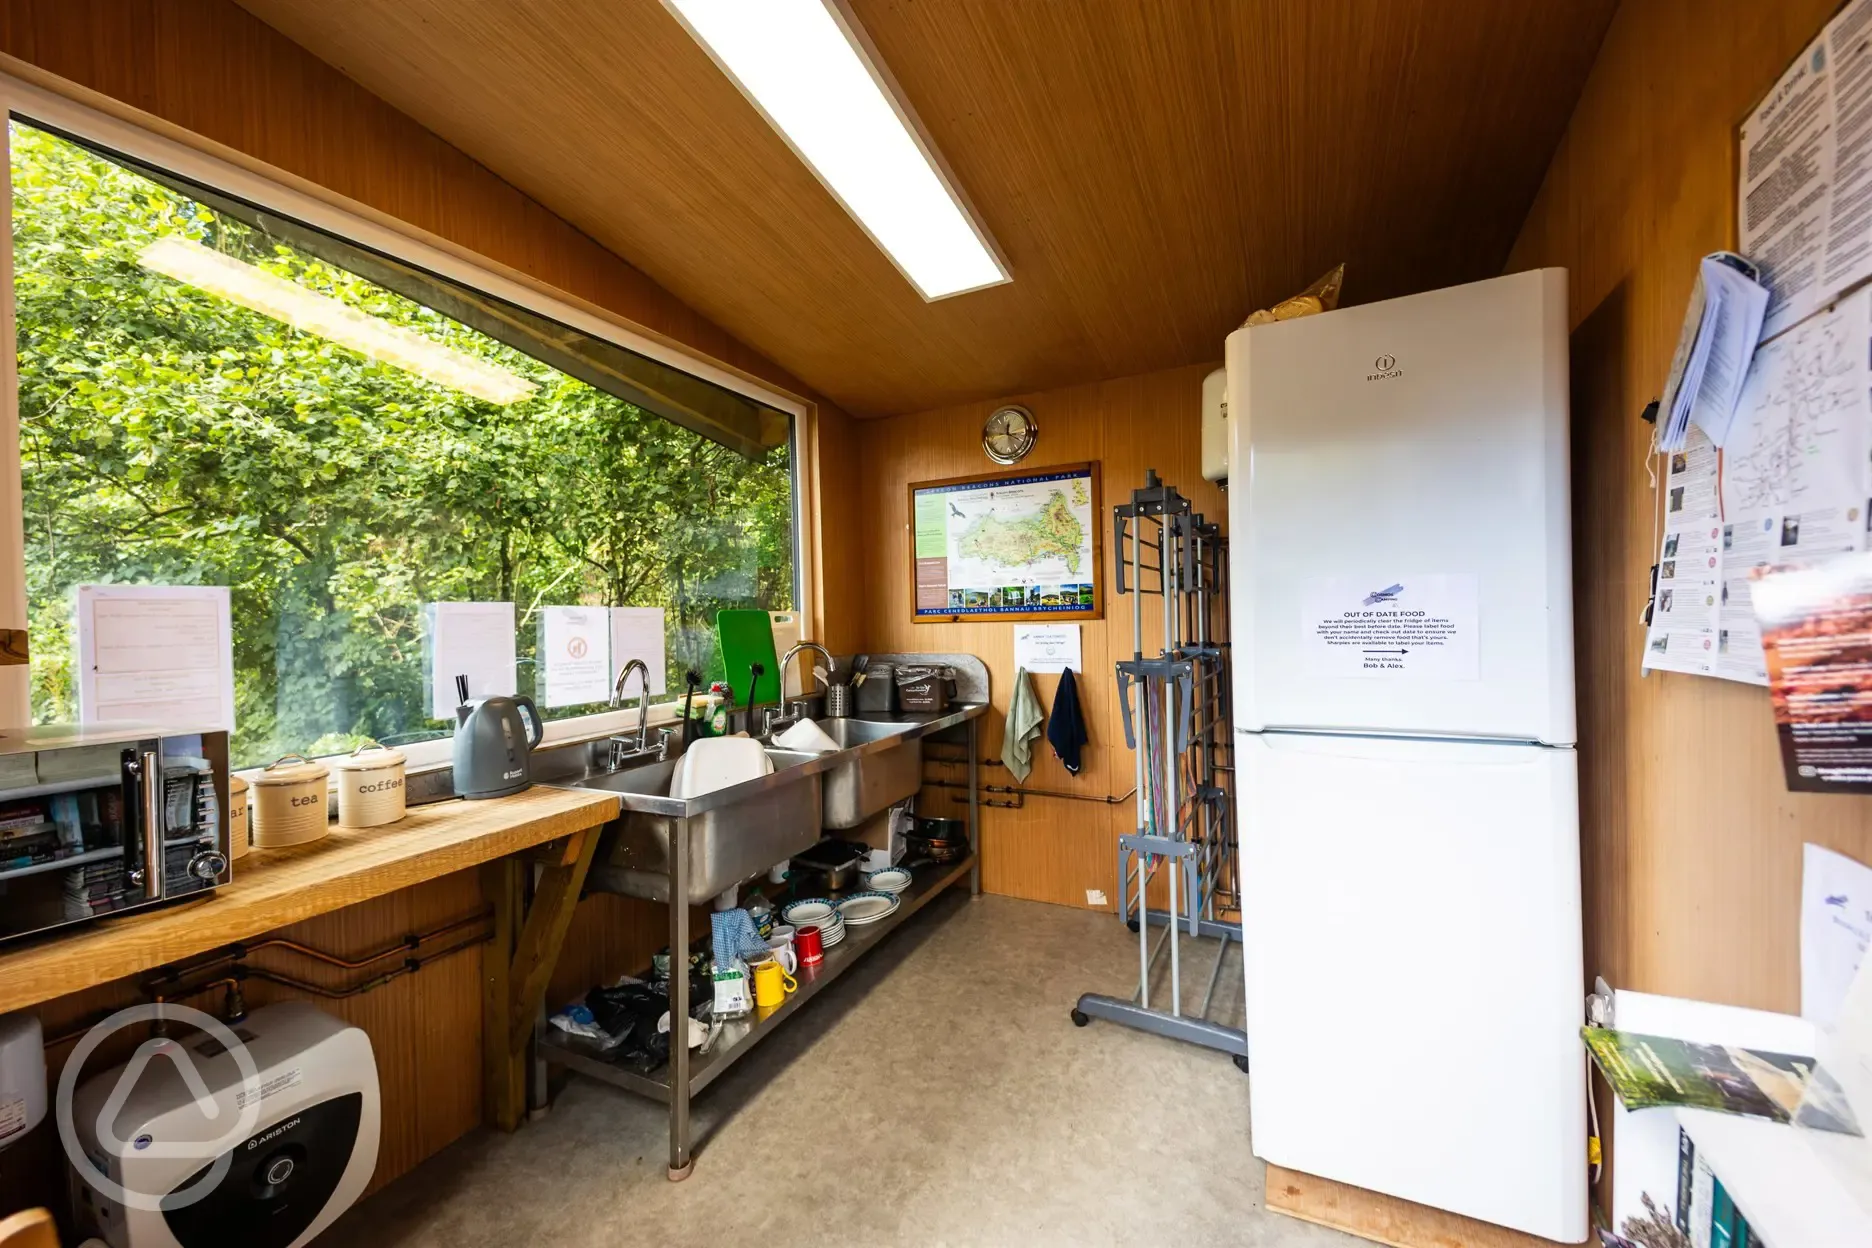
(1024, 720)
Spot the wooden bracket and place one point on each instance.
(519, 959)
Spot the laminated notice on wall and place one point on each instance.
(1805, 207)
(1791, 486)
(1414, 625)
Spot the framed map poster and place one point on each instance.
(1018, 545)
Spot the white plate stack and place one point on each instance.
(890, 880)
(861, 909)
(820, 913)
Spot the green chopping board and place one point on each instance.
(746, 636)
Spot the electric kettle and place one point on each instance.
(494, 740)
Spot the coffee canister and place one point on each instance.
(289, 802)
(238, 829)
(370, 786)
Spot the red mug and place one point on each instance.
(806, 944)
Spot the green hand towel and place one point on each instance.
(1024, 721)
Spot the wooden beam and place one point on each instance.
(554, 901)
(1384, 1219)
(518, 962)
(504, 1078)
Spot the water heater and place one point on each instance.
(1215, 439)
(293, 1167)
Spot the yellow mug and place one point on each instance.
(772, 983)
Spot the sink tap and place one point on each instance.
(622, 751)
(787, 662)
(799, 705)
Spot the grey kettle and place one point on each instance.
(494, 740)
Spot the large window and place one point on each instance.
(191, 413)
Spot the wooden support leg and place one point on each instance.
(503, 1078)
(519, 963)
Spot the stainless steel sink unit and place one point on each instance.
(870, 780)
(728, 843)
(661, 847)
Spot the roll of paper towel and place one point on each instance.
(22, 1076)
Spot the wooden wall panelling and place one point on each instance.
(1691, 843)
(1051, 850)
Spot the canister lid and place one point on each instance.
(369, 757)
(291, 769)
(237, 784)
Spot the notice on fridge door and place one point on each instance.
(1417, 625)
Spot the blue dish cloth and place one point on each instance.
(735, 937)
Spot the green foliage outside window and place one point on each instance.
(169, 436)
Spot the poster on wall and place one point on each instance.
(1816, 630)
(1007, 546)
(1805, 195)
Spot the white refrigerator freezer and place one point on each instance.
(1403, 649)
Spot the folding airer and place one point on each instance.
(1176, 723)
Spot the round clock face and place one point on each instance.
(1009, 435)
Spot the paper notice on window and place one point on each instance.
(1795, 475)
(638, 633)
(1049, 650)
(1683, 636)
(156, 654)
(472, 639)
(574, 655)
(1806, 178)
(1421, 625)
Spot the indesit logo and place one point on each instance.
(1387, 369)
(242, 1105)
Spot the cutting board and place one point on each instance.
(746, 636)
(785, 637)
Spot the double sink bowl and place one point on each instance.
(734, 834)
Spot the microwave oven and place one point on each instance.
(100, 820)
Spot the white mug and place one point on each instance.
(782, 952)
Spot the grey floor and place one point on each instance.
(937, 1094)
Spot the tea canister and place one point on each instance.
(288, 802)
(238, 827)
(370, 786)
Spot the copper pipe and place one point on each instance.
(239, 951)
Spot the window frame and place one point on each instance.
(326, 210)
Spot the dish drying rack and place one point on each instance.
(1176, 721)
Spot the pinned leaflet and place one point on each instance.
(1721, 330)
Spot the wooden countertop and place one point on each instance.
(275, 887)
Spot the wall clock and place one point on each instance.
(1009, 434)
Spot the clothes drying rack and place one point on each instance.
(1176, 722)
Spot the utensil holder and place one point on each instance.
(838, 701)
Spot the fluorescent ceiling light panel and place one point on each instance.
(259, 291)
(806, 67)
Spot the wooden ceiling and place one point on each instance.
(1152, 169)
